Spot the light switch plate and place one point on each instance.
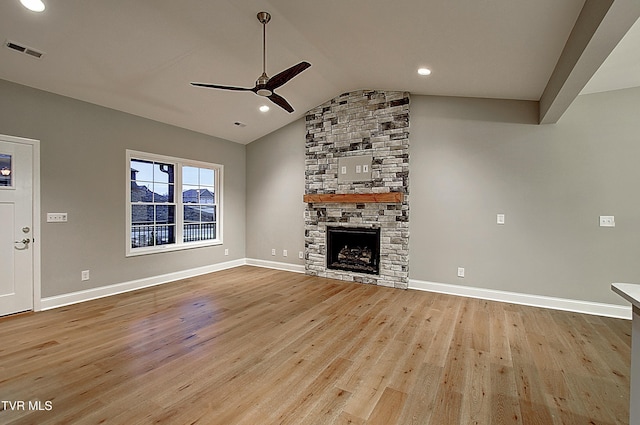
(500, 219)
(56, 217)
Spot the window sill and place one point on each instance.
(134, 252)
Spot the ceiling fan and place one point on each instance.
(266, 85)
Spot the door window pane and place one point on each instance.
(6, 172)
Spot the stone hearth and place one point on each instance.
(371, 127)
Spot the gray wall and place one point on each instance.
(470, 159)
(83, 171)
(474, 158)
(275, 185)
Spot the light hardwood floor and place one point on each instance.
(258, 346)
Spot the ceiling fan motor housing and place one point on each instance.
(264, 17)
(261, 86)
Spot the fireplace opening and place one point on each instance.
(353, 249)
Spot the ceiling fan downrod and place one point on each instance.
(264, 18)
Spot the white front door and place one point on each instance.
(16, 226)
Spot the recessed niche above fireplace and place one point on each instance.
(353, 249)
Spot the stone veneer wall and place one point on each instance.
(364, 122)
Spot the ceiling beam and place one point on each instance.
(599, 28)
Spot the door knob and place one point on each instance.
(25, 244)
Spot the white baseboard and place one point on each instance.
(118, 288)
(296, 268)
(587, 307)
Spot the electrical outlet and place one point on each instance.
(284, 253)
(273, 251)
(226, 251)
(358, 169)
(300, 254)
(460, 271)
(500, 219)
(84, 275)
(607, 221)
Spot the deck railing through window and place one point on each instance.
(142, 236)
(199, 232)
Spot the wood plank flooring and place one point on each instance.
(259, 346)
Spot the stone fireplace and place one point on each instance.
(357, 182)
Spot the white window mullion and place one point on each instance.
(179, 208)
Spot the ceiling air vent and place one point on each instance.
(23, 49)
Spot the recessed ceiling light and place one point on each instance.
(424, 71)
(264, 108)
(33, 5)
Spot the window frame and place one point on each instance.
(178, 164)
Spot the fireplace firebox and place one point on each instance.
(353, 249)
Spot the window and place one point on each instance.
(5, 170)
(153, 206)
(198, 202)
(172, 203)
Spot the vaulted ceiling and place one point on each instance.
(140, 56)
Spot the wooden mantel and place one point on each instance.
(355, 198)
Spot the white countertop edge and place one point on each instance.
(628, 291)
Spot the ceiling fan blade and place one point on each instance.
(281, 102)
(215, 86)
(286, 75)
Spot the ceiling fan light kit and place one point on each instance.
(266, 85)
